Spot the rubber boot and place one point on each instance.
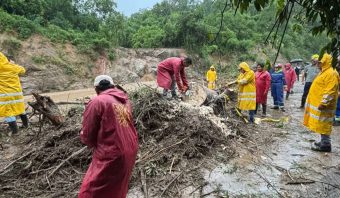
(24, 120)
(257, 106)
(165, 92)
(275, 107)
(264, 109)
(321, 148)
(282, 108)
(303, 102)
(324, 145)
(13, 126)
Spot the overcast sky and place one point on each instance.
(128, 7)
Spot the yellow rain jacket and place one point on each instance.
(324, 90)
(211, 78)
(247, 89)
(11, 96)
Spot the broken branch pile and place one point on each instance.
(176, 141)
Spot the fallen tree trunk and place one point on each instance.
(46, 106)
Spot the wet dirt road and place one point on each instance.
(284, 166)
(73, 95)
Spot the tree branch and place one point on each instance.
(284, 31)
(221, 24)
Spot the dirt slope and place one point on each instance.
(58, 67)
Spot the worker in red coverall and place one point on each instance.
(262, 79)
(108, 129)
(290, 77)
(171, 71)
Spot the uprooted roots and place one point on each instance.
(176, 141)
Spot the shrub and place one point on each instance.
(12, 45)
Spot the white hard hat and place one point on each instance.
(102, 77)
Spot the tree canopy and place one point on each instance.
(205, 26)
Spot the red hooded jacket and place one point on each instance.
(290, 76)
(108, 128)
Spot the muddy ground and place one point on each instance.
(199, 155)
(283, 165)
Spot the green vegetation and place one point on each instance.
(95, 27)
(12, 45)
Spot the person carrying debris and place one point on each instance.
(290, 77)
(278, 84)
(308, 76)
(211, 78)
(11, 96)
(262, 87)
(171, 71)
(247, 90)
(108, 128)
(321, 104)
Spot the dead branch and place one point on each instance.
(70, 103)
(143, 181)
(309, 181)
(160, 151)
(300, 182)
(172, 181)
(209, 193)
(46, 106)
(63, 162)
(199, 187)
(20, 158)
(270, 184)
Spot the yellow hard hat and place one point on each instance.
(315, 57)
(212, 67)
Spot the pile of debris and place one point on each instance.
(176, 140)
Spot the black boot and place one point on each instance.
(282, 108)
(24, 120)
(257, 106)
(321, 147)
(13, 126)
(275, 107)
(264, 109)
(303, 102)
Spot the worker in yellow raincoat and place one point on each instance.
(11, 96)
(212, 77)
(247, 90)
(321, 104)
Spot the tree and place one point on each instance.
(148, 37)
(100, 8)
(324, 15)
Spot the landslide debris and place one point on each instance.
(176, 140)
